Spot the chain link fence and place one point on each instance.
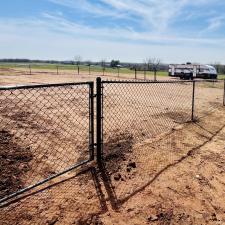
(46, 130)
(209, 96)
(134, 111)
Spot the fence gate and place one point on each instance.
(45, 131)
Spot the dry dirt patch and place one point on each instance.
(177, 178)
(14, 161)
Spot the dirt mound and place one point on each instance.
(14, 162)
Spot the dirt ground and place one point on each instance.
(162, 170)
(178, 178)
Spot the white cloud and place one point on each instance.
(53, 36)
(216, 22)
(56, 38)
(153, 15)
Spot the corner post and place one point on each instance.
(91, 120)
(99, 119)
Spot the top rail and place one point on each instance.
(43, 85)
(156, 82)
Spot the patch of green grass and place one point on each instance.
(83, 68)
(221, 76)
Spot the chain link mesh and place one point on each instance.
(144, 131)
(208, 97)
(44, 131)
(138, 111)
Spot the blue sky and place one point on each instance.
(130, 30)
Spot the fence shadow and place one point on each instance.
(172, 150)
(98, 187)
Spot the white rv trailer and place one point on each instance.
(190, 71)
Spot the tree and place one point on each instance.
(114, 63)
(77, 61)
(153, 64)
(219, 68)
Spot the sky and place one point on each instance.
(174, 31)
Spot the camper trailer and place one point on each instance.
(191, 71)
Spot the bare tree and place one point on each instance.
(77, 61)
(153, 64)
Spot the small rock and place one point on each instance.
(128, 169)
(53, 220)
(117, 176)
(132, 164)
(214, 218)
(153, 218)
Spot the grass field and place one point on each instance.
(63, 67)
(83, 69)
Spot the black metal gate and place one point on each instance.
(45, 131)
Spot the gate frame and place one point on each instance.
(91, 133)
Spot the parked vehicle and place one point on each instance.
(191, 71)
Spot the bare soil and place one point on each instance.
(161, 170)
(177, 178)
(13, 163)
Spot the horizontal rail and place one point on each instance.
(41, 182)
(154, 82)
(43, 85)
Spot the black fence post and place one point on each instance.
(155, 75)
(99, 119)
(224, 92)
(91, 120)
(30, 69)
(193, 103)
(135, 70)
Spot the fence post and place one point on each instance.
(193, 102)
(57, 70)
(224, 92)
(91, 120)
(155, 75)
(135, 70)
(30, 68)
(99, 118)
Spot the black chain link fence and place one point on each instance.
(134, 111)
(48, 130)
(45, 131)
(209, 96)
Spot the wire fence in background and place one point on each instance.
(46, 130)
(92, 70)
